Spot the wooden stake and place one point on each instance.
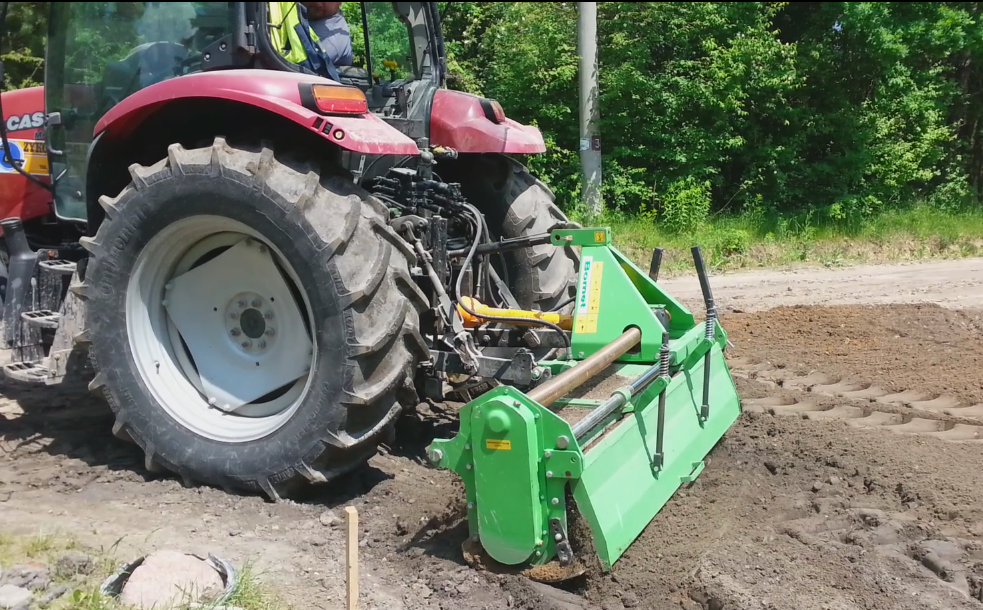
(351, 556)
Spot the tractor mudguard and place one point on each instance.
(472, 124)
(23, 115)
(276, 92)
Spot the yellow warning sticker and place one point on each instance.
(599, 237)
(31, 155)
(590, 303)
(497, 445)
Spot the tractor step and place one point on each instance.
(58, 267)
(28, 372)
(42, 318)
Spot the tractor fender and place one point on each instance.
(466, 123)
(276, 92)
(24, 118)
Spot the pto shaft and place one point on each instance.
(564, 321)
(570, 379)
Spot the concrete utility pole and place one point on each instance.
(590, 139)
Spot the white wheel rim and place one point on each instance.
(213, 341)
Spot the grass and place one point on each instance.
(83, 591)
(743, 242)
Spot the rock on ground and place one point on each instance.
(167, 579)
(32, 576)
(15, 598)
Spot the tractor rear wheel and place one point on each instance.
(516, 204)
(253, 323)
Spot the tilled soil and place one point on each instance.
(852, 481)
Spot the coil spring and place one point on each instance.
(664, 356)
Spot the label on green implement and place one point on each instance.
(497, 445)
(589, 296)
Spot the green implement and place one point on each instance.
(666, 398)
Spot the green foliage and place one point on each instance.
(388, 38)
(831, 111)
(23, 45)
(685, 205)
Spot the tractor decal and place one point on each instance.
(584, 286)
(25, 121)
(33, 153)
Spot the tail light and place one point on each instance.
(334, 99)
(493, 110)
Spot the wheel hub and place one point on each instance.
(260, 343)
(249, 321)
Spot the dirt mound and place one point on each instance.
(898, 347)
(851, 481)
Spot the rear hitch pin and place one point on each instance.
(701, 271)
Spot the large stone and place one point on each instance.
(167, 579)
(33, 576)
(15, 598)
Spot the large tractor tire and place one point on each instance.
(253, 323)
(516, 204)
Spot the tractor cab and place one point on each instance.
(100, 53)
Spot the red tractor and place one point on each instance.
(264, 264)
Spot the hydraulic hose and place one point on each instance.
(479, 231)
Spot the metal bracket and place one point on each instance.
(517, 370)
(564, 552)
(517, 337)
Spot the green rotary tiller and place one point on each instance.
(622, 424)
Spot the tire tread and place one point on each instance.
(381, 350)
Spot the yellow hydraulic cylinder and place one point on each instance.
(562, 320)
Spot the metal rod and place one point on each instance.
(574, 377)
(701, 271)
(506, 245)
(656, 264)
(617, 400)
(612, 404)
(660, 456)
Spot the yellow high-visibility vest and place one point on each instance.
(285, 17)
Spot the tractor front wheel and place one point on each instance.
(253, 323)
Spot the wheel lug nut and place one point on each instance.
(234, 332)
(246, 344)
(234, 315)
(270, 332)
(261, 344)
(241, 304)
(268, 315)
(256, 303)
